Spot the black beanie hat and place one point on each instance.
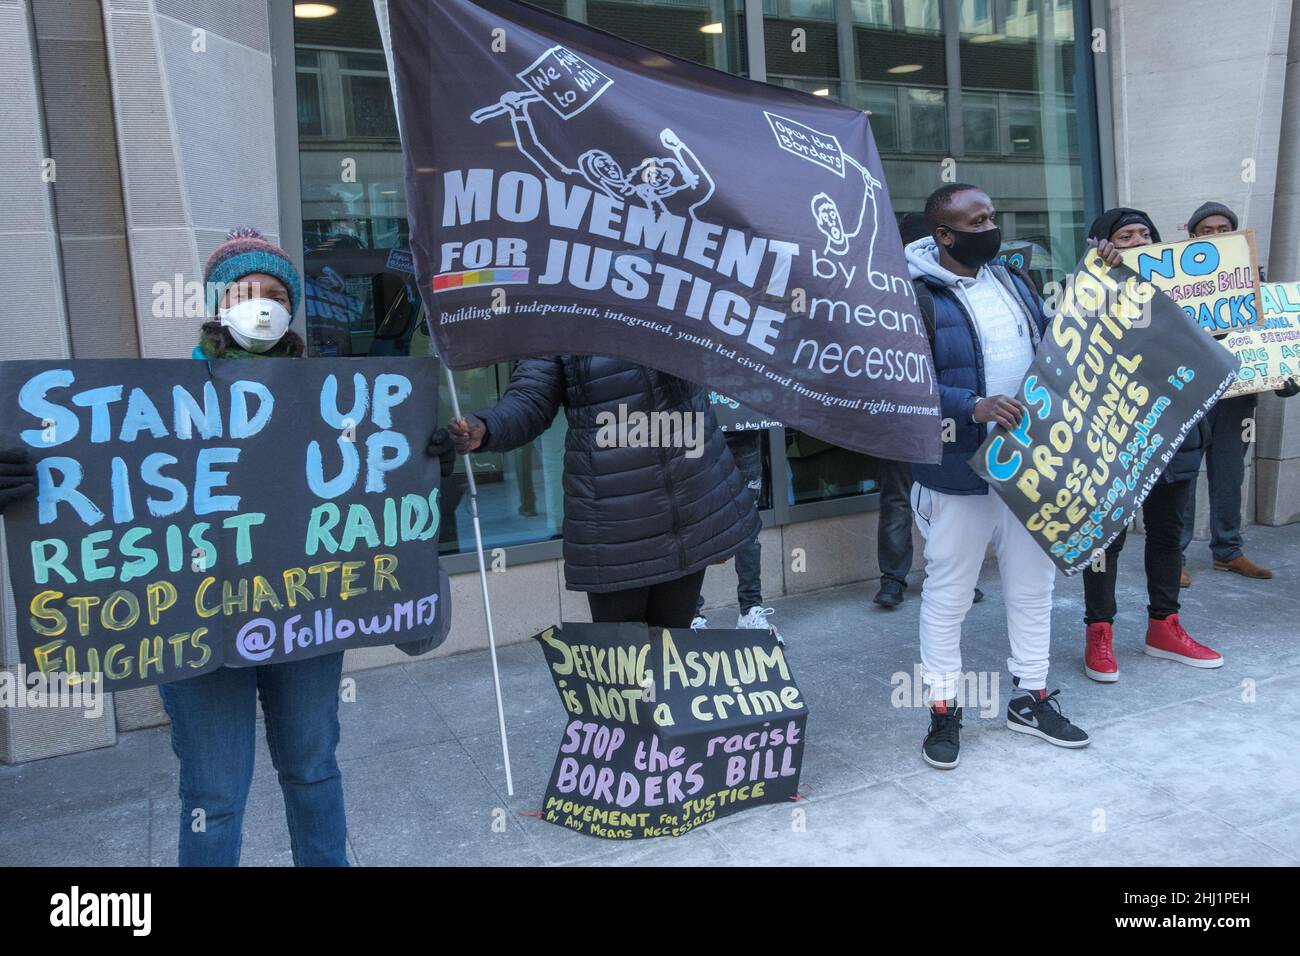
(1211, 209)
(1113, 220)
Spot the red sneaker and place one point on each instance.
(1167, 639)
(1098, 655)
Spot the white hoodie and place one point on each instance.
(1005, 336)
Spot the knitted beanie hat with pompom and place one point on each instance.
(245, 252)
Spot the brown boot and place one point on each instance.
(1184, 579)
(1244, 566)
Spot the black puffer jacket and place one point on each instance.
(633, 516)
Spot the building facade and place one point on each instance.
(139, 131)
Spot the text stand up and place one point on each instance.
(487, 603)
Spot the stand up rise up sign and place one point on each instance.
(1121, 377)
(668, 730)
(192, 516)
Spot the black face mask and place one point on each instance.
(974, 249)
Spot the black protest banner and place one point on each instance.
(668, 730)
(571, 192)
(191, 515)
(1121, 377)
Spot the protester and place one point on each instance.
(253, 287)
(747, 449)
(985, 322)
(894, 527)
(1162, 517)
(641, 523)
(1225, 457)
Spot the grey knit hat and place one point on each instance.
(1211, 209)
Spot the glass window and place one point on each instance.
(359, 301)
(979, 122)
(882, 102)
(872, 12)
(1019, 135)
(927, 120)
(922, 15)
(368, 97)
(1024, 129)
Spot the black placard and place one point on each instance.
(668, 730)
(191, 515)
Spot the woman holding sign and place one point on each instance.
(1162, 515)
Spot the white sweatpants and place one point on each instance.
(957, 531)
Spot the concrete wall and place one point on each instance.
(1199, 99)
(33, 315)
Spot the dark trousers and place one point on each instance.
(1225, 469)
(747, 449)
(1162, 516)
(667, 604)
(894, 533)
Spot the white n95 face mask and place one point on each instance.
(256, 324)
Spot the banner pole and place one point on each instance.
(386, 38)
(487, 603)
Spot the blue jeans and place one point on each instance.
(1225, 469)
(214, 723)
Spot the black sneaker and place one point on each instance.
(1038, 714)
(890, 594)
(979, 596)
(942, 747)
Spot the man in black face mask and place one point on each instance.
(985, 322)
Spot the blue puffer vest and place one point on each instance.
(959, 370)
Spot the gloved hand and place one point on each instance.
(1288, 390)
(17, 476)
(441, 447)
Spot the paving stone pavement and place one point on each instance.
(1187, 767)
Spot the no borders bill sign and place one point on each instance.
(667, 730)
(570, 191)
(1119, 380)
(191, 515)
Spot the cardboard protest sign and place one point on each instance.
(1215, 279)
(1119, 380)
(192, 515)
(732, 233)
(668, 730)
(1269, 355)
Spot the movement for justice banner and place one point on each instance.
(1120, 379)
(668, 730)
(190, 515)
(572, 192)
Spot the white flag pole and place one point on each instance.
(482, 576)
(381, 16)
